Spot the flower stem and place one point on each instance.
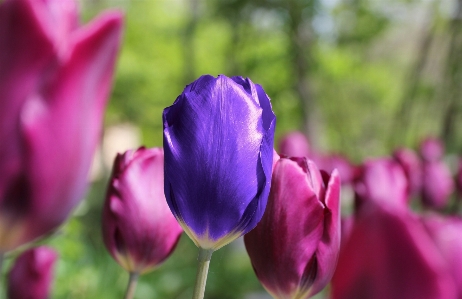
(2, 278)
(203, 268)
(131, 287)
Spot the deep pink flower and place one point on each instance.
(294, 144)
(31, 276)
(294, 248)
(412, 167)
(390, 255)
(437, 184)
(55, 77)
(431, 149)
(346, 169)
(139, 230)
(382, 182)
(458, 178)
(446, 232)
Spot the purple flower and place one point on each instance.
(390, 255)
(346, 169)
(54, 82)
(294, 248)
(31, 276)
(139, 230)
(294, 144)
(412, 167)
(381, 182)
(218, 143)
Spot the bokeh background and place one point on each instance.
(359, 77)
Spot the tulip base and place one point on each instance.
(203, 259)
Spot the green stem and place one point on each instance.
(131, 287)
(2, 280)
(203, 268)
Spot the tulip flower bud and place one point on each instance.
(431, 149)
(381, 182)
(437, 184)
(31, 276)
(218, 143)
(294, 144)
(55, 78)
(294, 248)
(412, 167)
(139, 230)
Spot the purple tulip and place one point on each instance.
(139, 230)
(412, 167)
(346, 169)
(31, 276)
(294, 144)
(446, 232)
(390, 255)
(382, 182)
(294, 248)
(431, 149)
(218, 143)
(437, 185)
(55, 78)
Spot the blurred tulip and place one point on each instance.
(431, 149)
(294, 144)
(412, 167)
(294, 248)
(458, 179)
(139, 230)
(218, 143)
(437, 185)
(446, 232)
(55, 78)
(390, 255)
(346, 169)
(382, 182)
(31, 276)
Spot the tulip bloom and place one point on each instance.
(347, 171)
(294, 144)
(139, 230)
(31, 276)
(412, 167)
(437, 184)
(431, 149)
(218, 143)
(390, 255)
(382, 182)
(294, 248)
(55, 78)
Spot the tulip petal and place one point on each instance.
(214, 142)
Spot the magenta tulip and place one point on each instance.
(31, 276)
(382, 182)
(139, 230)
(446, 232)
(390, 255)
(437, 184)
(412, 167)
(458, 178)
(55, 78)
(346, 169)
(294, 144)
(431, 149)
(294, 248)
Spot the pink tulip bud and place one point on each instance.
(437, 184)
(431, 149)
(390, 255)
(294, 144)
(139, 230)
(31, 276)
(381, 182)
(294, 248)
(412, 167)
(55, 78)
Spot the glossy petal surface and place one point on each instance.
(294, 248)
(138, 228)
(218, 142)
